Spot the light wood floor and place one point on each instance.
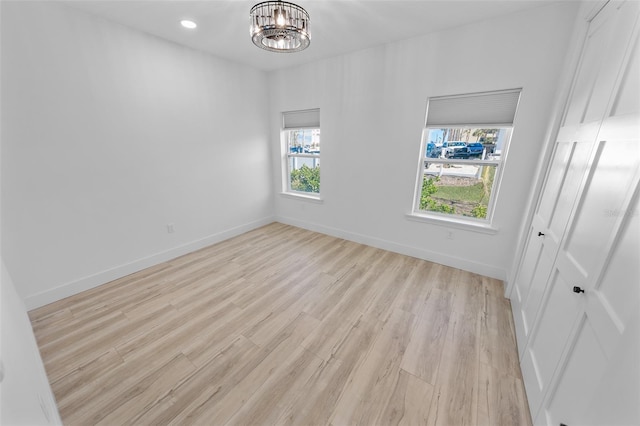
(283, 325)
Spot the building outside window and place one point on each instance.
(464, 146)
(301, 161)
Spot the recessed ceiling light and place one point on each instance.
(188, 24)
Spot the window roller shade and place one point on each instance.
(309, 118)
(494, 108)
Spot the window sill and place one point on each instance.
(305, 197)
(484, 228)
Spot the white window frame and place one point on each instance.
(456, 220)
(292, 121)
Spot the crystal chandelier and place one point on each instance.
(280, 26)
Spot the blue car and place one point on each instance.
(475, 148)
(433, 151)
(466, 153)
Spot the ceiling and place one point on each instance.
(337, 26)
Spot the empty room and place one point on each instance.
(320, 212)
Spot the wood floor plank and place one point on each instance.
(181, 332)
(118, 293)
(469, 292)
(266, 363)
(323, 389)
(498, 346)
(147, 394)
(422, 357)
(320, 307)
(282, 325)
(502, 400)
(418, 284)
(271, 287)
(350, 254)
(409, 402)
(392, 281)
(282, 314)
(52, 321)
(345, 312)
(280, 390)
(493, 287)
(455, 395)
(76, 329)
(91, 408)
(85, 374)
(205, 386)
(95, 294)
(373, 381)
(259, 321)
(205, 293)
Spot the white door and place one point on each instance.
(567, 166)
(569, 331)
(598, 380)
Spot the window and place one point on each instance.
(463, 149)
(301, 162)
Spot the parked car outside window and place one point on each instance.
(448, 148)
(476, 148)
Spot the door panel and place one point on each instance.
(613, 172)
(540, 278)
(520, 292)
(615, 401)
(623, 266)
(583, 371)
(538, 269)
(555, 178)
(567, 195)
(547, 341)
(621, 25)
(627, 100)
(588, 71)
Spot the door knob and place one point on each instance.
(540, 234)
(577, 289)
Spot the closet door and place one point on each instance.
(598, 180)
(568, 165)
(597, 381)
(600, 255)
(565, 172)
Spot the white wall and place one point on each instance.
(25, 394)
(372, 107)
(108, 135)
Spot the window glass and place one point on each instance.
(459, 170)
(481, 143)
(303, 160)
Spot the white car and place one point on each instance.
(448, 148)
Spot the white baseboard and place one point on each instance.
(69, 289)
(420, 253)
(91, 281)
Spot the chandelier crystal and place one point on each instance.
(280, 26)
